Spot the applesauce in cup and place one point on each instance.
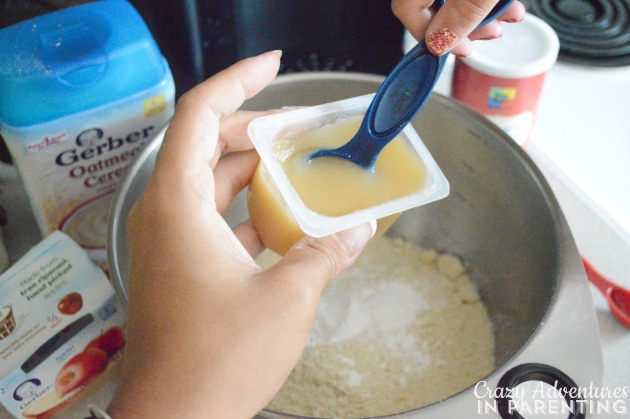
(291, 195)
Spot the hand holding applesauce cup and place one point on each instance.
(292, 195)
(503, 79)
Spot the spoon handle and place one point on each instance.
(408, 86)
(404, 92)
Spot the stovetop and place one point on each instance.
(591, 32)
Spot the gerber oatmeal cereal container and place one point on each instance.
(82, 90)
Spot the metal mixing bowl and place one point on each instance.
(501, 218)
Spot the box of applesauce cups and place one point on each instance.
(61, 329)
(82, 90)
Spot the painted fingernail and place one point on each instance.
(441, 41)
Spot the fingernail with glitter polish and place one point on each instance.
(441, 41)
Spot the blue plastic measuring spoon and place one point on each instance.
(398, 99)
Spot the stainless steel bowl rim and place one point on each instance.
(565, 337)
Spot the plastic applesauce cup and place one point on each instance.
(503, 78)
(279, 211)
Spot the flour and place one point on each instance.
(402, 328)
(342, 316)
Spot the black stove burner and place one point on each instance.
(591, 32)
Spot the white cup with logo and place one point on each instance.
(503, 78)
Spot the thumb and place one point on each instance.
(318, 261)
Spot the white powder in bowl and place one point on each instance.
(402, 328)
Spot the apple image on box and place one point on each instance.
(77, 372)
(85, 365)
(79, 369)
(111, 341)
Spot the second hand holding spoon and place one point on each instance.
(398, 99)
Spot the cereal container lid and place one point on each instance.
(76, 59)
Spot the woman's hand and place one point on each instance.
(453, 27)
(210, 333)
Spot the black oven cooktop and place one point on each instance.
(591, 32)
